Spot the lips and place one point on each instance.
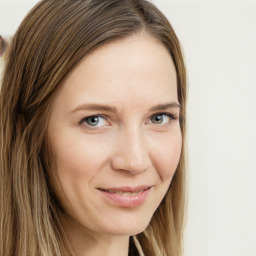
(128, 190)
(128, 193)
(126, 196)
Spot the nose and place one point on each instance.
(131, 153)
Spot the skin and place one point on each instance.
(129, 147)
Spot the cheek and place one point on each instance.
(78, 162)
(167, 155)
(79, 155)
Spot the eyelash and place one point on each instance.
(85, 120)
(172, 116)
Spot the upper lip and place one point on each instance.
(127, 188)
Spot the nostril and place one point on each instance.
(129, 165)
(138, 166)
(131, 153)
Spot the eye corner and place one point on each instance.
(94, 121)
(164, 118)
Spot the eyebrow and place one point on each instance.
(165, 106)
(101, 107)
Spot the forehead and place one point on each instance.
(136, 70)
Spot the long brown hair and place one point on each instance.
(50, 42)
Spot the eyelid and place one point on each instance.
(173, 116)
(83, 121)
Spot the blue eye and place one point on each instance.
(162, 118)
(94, 121)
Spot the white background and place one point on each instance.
(219, 41)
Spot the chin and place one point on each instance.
(129, 228)
(129, 232)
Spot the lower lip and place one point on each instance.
(127, 201)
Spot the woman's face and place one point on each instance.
(115, 134)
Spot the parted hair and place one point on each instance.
(50, 42)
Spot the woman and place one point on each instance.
(92, 132)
